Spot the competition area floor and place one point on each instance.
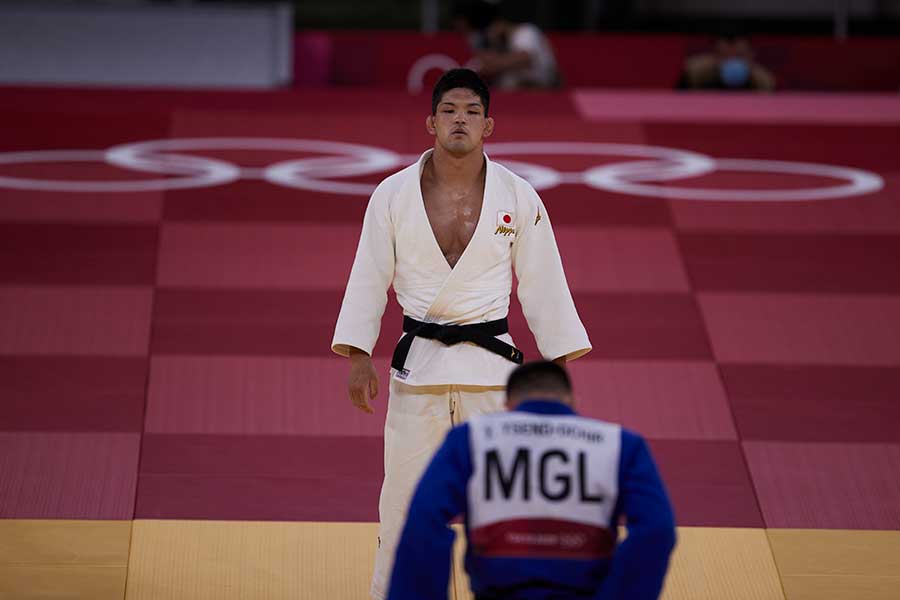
(173, 424)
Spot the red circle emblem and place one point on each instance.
(507, 218)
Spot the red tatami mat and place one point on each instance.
(84, 320)
(707, 482)
(741, 107)
(259, 396)
(815, 403)
(78, 254)
(732, 258)
(52, 393)
(68, 475)
(644, 326)
(827, 486)
(621, 259)
(258, 256)
(803, 328)
(793, 263)
(281, 478)
(660, 399)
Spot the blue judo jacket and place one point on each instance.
(542, 491)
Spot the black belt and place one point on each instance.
(480, 334)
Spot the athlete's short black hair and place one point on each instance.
(460, 78)
(538, 379)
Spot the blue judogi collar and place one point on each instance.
(543, 406)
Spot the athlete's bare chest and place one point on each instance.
(453, 217)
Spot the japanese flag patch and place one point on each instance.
(506, 223)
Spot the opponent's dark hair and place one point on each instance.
(539, 378)
(460, 78)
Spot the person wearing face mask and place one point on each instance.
(729, 67)
(508, 55)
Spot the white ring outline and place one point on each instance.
(631, 177)
(861, 182)
(87, 186)
(286, 173)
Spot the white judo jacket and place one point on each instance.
(397, 246)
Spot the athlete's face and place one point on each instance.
(459, 125)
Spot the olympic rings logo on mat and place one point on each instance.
(648, 171)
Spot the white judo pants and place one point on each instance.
(418, 419)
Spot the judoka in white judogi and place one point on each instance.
(397, 246)
(441, 385)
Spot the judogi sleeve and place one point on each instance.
(359, 321)
(639, 563)
(422, 562)
(543, 290)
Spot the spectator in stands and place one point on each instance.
(730, 66)
(507, 55)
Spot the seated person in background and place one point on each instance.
(729, 67)
(542, 490)
(508, 55)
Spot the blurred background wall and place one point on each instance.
(821, 45)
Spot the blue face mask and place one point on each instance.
(734, 72)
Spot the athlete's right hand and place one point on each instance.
(362, 384)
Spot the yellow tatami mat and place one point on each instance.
(713, 563)
(818, 564)
(225, 560)
(63, 560)
(459, 586)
